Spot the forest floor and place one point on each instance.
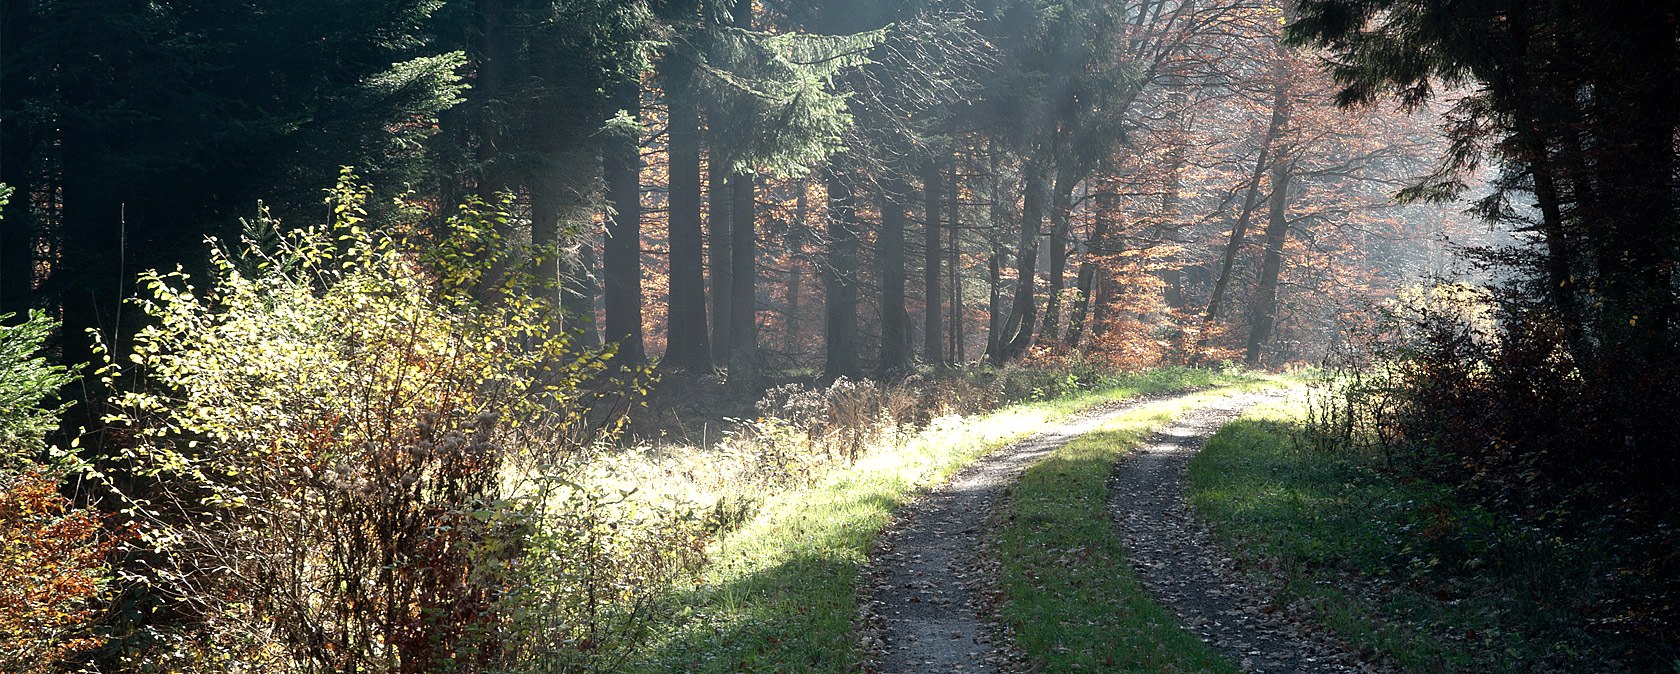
(1075, 550)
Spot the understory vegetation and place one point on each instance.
(1420, 570)
(53, 571)
(1559, 463)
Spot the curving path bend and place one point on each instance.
(1186, 571)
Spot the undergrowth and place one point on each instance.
(1402, 566)
(1481, 393)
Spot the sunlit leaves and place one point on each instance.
(331, 415)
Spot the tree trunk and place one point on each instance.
(1274, 131)
(495, 67)
(1560, 282)
(1018, 329)
(1102, 208)
(1104, 297)
(545, 238)
(1636, 213)
(959, 335)
(720, 228)
(1263, 316)
(994, 301)
(895, 324)
(840, 279)
(1167, 226)
(18, 228)
(88, 287)
(560, 188)
(579, 288)
(731, 212)
(1061, 212)
(1233, 246)
(933, 332)
(622, 251)
(687, 345)
(743, 357)
(796, 251)
(959, 328)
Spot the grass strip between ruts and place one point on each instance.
(1068, 589)
(779, 595)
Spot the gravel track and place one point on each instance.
(925, 596)
(1187, 572)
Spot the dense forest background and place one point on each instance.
(343, 269)
(852, 187)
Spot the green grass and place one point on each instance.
(1400, 568)
(1069, 592)
(780, 594)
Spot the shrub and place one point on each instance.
(52, 573)
(52, 554)
(340, 458)
(595, 574)
(27, 385)
(1477, 391)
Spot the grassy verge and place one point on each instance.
(779, 594)
(1398, 567)
(1069, 592)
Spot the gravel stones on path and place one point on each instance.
(923, 599)
(1189, 574)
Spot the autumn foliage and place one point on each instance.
(53, 569)
(52, 573)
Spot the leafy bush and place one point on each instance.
(52, 573)
(341, 460)
(52, 554)
(595, 572)
(1477, 391)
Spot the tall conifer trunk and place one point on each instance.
(932, 256)
(895, 324)
(622, 251)
(1061, 207)
(840, 279)
(720, 238)
(687, 344)
(796, 251)
(743, 357)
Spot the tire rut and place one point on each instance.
(924, 599)
(1187, 572)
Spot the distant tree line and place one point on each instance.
(710, 179)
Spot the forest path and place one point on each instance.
(924, 594)
(1187, 572)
